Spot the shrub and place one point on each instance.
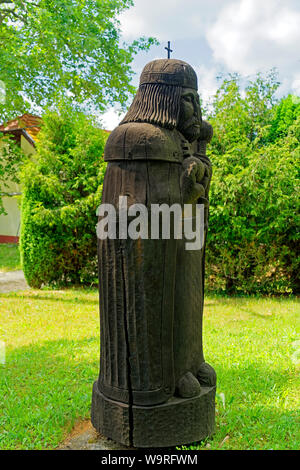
(252, 239)
(62, 187)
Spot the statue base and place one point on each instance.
(178, 421)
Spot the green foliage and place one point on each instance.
(287, 112)
(50, 48)
(255, 190)
(11, 156)
(62, 190)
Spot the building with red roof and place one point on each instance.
(24, 129)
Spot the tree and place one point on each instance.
(56, 48)
(286, 113)
(62, 186)
(252, 240)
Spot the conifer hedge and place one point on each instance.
(62, 187)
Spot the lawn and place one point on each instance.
(9, 257)
(52, 348)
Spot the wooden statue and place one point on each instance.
(155, 388)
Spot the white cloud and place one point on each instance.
(111, 119)
(166, 19)
(242, 36)
(207, 82)
(296, 84)
(252, 35)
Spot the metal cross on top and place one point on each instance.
(169, 49)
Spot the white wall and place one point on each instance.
(10, 223)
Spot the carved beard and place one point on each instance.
(190, 129)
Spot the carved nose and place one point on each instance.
(197, 111)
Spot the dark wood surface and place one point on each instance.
(153, 377)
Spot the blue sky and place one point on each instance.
(218, 36)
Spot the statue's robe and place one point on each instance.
(151, 291)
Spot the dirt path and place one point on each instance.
(11, 281)
(84, 437)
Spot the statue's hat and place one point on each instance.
(169, 72)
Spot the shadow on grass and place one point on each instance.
(44, 390)
(47, 388)
(257, 314)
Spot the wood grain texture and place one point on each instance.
(154, 387)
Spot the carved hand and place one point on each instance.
(191, 179)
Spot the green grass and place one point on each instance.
(9, 257)
(254, 346)
(52, 348)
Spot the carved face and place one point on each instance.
(190, 114)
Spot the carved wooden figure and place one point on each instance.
(155, 388)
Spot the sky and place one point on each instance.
(217, 37)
